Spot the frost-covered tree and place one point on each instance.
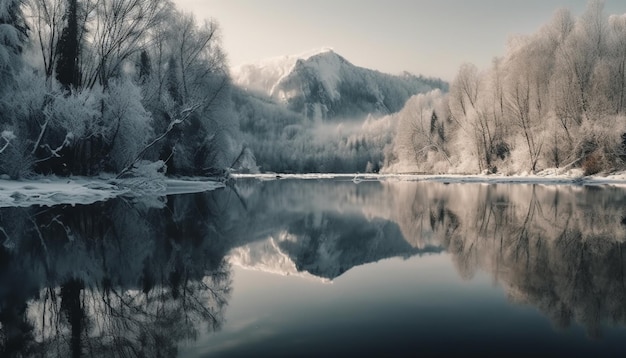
(13, 34)
(130, 124)
(14, 27)
(116, 115)
(580, 52)
(116, 30)
(422, 133)
(616, 66)
(471, 110)
(189, 72)
(530, 65)
(13, 37)
(555, 99)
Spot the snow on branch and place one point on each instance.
(184, 115)
(8, 136)
(54, 153)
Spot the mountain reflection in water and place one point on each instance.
(137, 277)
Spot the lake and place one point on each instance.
(319, 268)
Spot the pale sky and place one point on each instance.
(429, 37)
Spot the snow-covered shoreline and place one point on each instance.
(50, 191)
(547, 177)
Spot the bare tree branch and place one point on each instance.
(184, 115)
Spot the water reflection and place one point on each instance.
(131, 277)
(560, 249)
(557, 248)
(119, 278)
(324, 228)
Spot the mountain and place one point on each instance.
(326, 249)
(324, 85)
(264, 75)
(316, 230)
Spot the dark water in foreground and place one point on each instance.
(319, 268)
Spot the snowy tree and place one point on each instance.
(580, 52)
(617, 67)
(106, 122)
(547, 102)
(421, 129)
(14, 27)
(117, 30)
(471, 110)
(12, 37)
(464, 90)
(531, 61)
(130, 127)
(189, 71)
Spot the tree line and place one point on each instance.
(92, 86)
(556, 99)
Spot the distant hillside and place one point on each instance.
(317, 112)
(324, 85)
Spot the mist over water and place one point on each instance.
(319, 267)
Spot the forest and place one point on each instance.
(556, 100)
(136, 87)
(127, 87)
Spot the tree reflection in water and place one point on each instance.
(558, 248)
(137, 277)
(118, 278)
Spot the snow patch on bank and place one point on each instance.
(83, 191)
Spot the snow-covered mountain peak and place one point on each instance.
(264, 75)
(308, 54)
(323, 85)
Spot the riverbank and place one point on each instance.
(549, 176)
(49, 191)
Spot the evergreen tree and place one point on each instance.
(145, 67)
(433, 122)
(67, 69)
(173, 81)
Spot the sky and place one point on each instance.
(428, 37)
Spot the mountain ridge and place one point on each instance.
(322, 84)
(273, 69)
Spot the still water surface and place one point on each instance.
(319, 268)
